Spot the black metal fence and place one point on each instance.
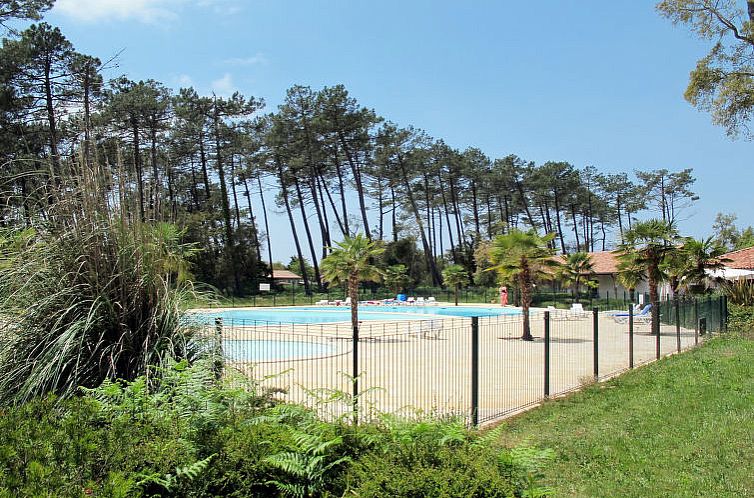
(477, 368)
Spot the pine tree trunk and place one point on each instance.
(310, 240)
(267, 224)
(294, 232)
(436, 279)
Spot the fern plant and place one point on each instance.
(313, 459)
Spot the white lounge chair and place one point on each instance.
(322, 302)
(427, 328)
(432, 301)
(643, 317)
(411, 300)
(577, 311)
(420, 300)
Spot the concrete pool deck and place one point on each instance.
(408, 366)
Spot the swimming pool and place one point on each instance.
(261, 350)
(332, 314)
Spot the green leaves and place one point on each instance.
(722, 82)
(351, 258)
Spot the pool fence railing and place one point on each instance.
(475, 368)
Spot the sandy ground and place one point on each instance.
(426, 366)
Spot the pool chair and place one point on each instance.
(636, 307)
(322, 302)
(578, 311)
(644, 316)
(420, 300)
(561, 314)
(426, 329)
(411, 300)
(432, 301)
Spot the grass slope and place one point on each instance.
(681, 427)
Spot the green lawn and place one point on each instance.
(680, 427)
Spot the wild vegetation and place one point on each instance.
(185, 435)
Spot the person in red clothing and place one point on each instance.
(503, 295)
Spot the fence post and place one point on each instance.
(678, 323)
(218, 348)
(702, 326)
(724, 317)
(355, 374)
(547, 354)
(630, 336)
(475, 371)
(596, 327)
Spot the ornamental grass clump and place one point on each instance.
(92, 294)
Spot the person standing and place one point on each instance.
(503, 295)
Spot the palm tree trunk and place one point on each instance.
(526, 301)
(654, 301)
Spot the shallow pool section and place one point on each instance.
(335, 314)
(259, 351)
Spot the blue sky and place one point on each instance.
(586, 81)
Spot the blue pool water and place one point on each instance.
(332, 314)
(260, 351)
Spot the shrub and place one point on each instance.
(184, 433)
(99, 298)
(741, 319)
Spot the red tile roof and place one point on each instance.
(284, 274)
(605, 262)
(743, 259)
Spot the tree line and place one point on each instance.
(210, 164)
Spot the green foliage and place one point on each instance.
(740, 292)
(455, 276)
(576, 270)
(95, 299)
(396, 277)
(182, 433)
(741, 318)
(721, 83)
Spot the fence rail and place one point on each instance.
(476, 368)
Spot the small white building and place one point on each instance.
(285, 277)
(605, 273)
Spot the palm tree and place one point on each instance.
(396, 277)
(523, 257)
(455, 276)
(350, 263)
(702, 256)
(577, 266)
(630, 274)
(647, 245)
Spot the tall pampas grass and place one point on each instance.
(92, 292)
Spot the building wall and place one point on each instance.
(609, 286)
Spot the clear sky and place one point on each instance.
(591, 82)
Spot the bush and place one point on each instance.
(185, 434)
(741, 319)
(99, 298)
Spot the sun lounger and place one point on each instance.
(644, 316)
(411, 300)
(432, 301)
(427, 328)
(322, 302)
(420, 300)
